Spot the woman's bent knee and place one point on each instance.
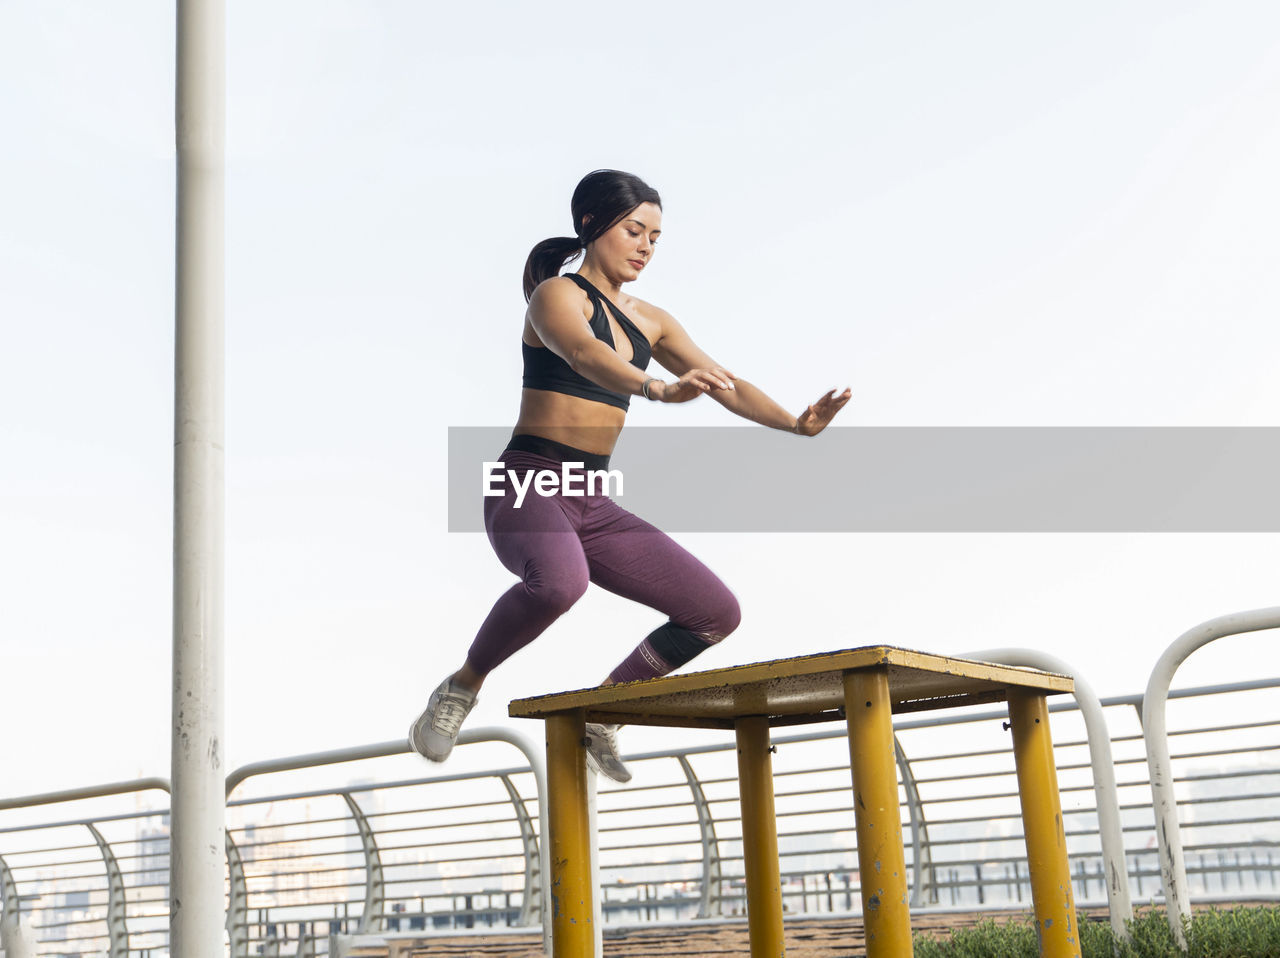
(556, 592)
(725, 617)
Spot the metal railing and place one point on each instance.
(968, 808)
(89, 884)
(370, 845)
(397, 850)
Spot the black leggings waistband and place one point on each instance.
(538, 446)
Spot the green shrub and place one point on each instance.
(1149, 935)
(984, 940)
(1230, 933)
(1235, 933)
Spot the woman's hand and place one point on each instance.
(694, 383)
(816, 417)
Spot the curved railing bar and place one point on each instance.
(709, 904)
(17, 938)
(371, 786)
(117, 929)
(10, 905)
(1173, 869)
(372, 918)
(530, 907)
(315, 759)
(91, 791)
(920, 852)
(237, 901)
(1106, 796)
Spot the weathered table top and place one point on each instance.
(793, 691)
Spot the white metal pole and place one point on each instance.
(198, 839)
(1173, 869)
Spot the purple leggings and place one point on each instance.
(557, 544)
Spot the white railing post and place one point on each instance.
(1106, 796)
(1173, 869)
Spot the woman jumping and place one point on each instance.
(586, 347)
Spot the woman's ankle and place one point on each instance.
(468, 678)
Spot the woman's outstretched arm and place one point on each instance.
(752, 403)
(677, 351)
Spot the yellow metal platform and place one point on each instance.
(862, 687)
(808, 688)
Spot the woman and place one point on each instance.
(586, 347)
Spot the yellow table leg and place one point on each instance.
(1042, 821)
(572, 934)
(882, 863)
(759, 838)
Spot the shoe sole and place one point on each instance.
(418, 745)
(594, 764)
(597, 768)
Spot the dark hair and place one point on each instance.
(600, 201)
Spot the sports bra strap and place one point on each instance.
(627, 325)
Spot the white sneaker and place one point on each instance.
(602, 752)
(436, 730)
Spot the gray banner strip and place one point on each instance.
(924, 479)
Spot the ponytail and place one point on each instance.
(547, 259)
(599, 203)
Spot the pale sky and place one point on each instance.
(982, 214)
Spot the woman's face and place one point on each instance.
(626, 249)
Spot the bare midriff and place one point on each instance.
(590, 426)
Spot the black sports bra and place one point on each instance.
(543, 369)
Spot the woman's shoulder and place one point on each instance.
(558, 294)
(557, 286)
